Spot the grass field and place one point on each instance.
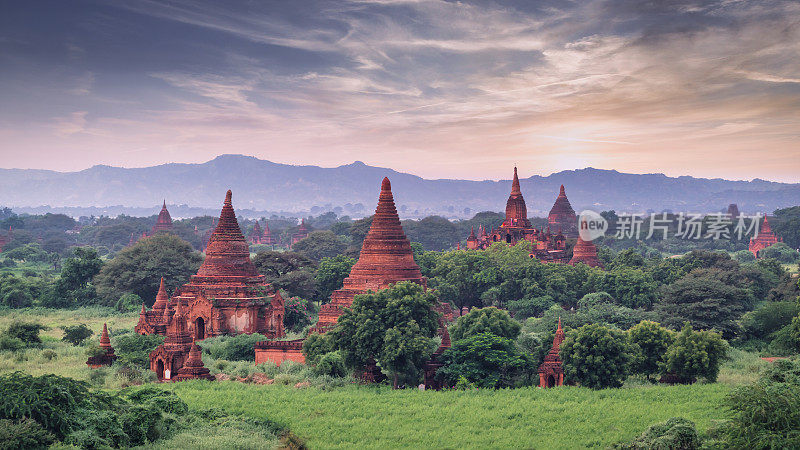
(377, 417)
(365, 417)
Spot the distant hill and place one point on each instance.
(264, 186)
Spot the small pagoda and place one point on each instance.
(193, 368)
(765, 238)
(170, 356)
(551, 372)
(163, 222)
(301, 233)
(108, 357)
(585, 252)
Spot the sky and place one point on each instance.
(439, 89)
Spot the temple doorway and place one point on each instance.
(199, 329)
(160, 369)
(551, 381)
(508, 238)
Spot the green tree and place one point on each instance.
(138, 269)
(433, 232)
(706, 303)
(290, 271)
(651, 342)
(76, 334)
(633, 288)
(320, 244)
(27, 332)
(135, 349)
(769, 318)
(787, 225)
(74, 286)
(389, 327)
(331, 272)
(485, 320)
(315, 346)
(486, 360)
(695, 354)
(780, 252)
(596, 356)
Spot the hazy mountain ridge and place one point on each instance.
(261, 185)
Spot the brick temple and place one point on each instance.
(226, 296)
(585, 252)
(163, 225)
(301, 233)
(516, 227)
(261, 237)
(551, 372)
(765, 238)
(386, 258)
(108, 357)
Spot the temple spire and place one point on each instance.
(561, 192)
(161, 297)
(227, 252)
(515, 190)
(105, 342)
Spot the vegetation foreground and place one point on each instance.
(368, 417)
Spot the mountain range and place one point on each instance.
(261, 186)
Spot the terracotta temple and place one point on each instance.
(562, 216)
(226, 296)
(516, 227)
(261, 237)
(551, 372)
(301, 233)
(386, 258)
(108, 357)
(163, 225)
(585, 252)
(765, 238)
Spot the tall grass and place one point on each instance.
(377, 417)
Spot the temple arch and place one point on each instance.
(199, 329)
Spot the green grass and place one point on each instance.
(370, 417)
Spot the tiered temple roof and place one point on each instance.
(516, 210)
(765, 238)
(386, 258)
(562, 217)
(163, 222)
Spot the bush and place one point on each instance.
(129, 303)
(781, 252)
(23, 435)
(651, 342)
(11, 344)
(135, 349)
(695, 354)
(769, 318)
(27, 332)
(676, 433)
(487, 360)
(596, 356)
(76, 334)
(233, 348)
(315, 346)
(485, 320)
(49, 354)
(530, 307)
(765, 414)
(298, 314)
(786, 341)
(331, 364)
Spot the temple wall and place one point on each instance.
(242, 321)
(279, 355)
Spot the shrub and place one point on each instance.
(11, 344)
(331, 364)
(27, 332)
(129, 303)
(233, 348)
(529, 307)
(49, 354)
(676, 433)
(596, 356)
(490, 320)
(23, 435)
(651, 342)
(298, 314)
(76, 334)
(486, 360)
(135, 349)
(695, 354)
(315, 346)
(769, 318)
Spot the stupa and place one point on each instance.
(108, 357)
(585, 252)
(193, 368)
(163, 222)
(386, 258)
(226, 296)
(170, 356)
(562, 216)
(551, 372)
